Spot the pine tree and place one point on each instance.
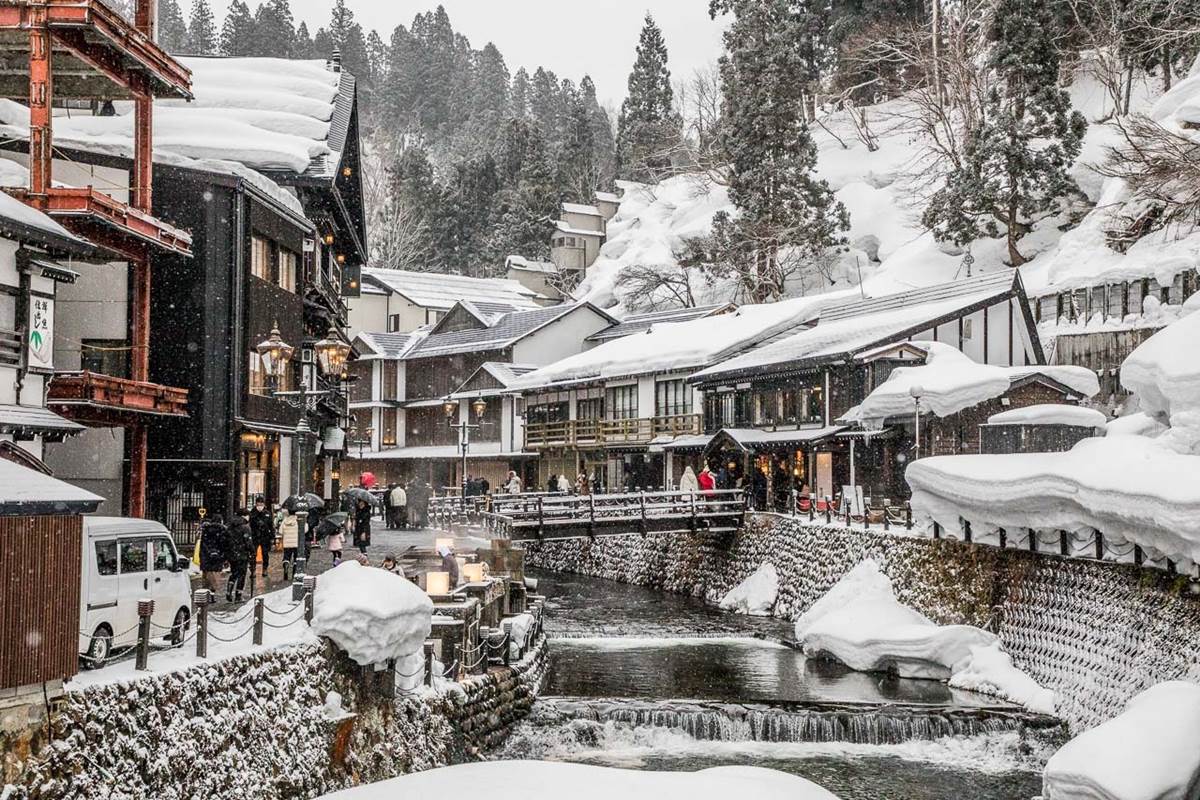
(172, 30)
(1015, 170)
(543, 103)
(577, 175)
(202, 29)
(526, 212)
(490, 104)
(377, 59)
(519, 95)
(237, 31)
(787, 218)
(304, 43)
(274, 31)
(603, 143)
(647, 125)
(347, 36)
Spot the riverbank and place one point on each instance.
(1095, 633)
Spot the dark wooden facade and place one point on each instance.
(39, 598)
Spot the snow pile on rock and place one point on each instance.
(1149, 752)
(861, 623)
(372, 614)
(755, 595)
(1164, 371)
(515, 780)
(1052, 414)
(950, 381)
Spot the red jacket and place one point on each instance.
(707, 482)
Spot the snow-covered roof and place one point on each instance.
(639, 323)
(579, 208)
(608, 197)
(27, 491)
(949, 381)
(675, 346)
(1051, 414)
(388, 345)
(500, 333)
(525, 265)
(850, 327)
(440, 291)
(504, 374)
(565, 228)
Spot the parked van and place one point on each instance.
(126, 560)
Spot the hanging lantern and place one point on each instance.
(451, 408)
(479, 406)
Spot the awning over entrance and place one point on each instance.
(33, 421)
(753, 440)
(333, 440)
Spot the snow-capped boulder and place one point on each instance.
(372, 614)
(756, 595)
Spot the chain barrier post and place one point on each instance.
(485, 638)
(428, 662)
(309, 585)
(201, 599)
(145, 609)
(908, 516)
(258, 620)
(507, 643)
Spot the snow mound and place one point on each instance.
(372, 614)
(861, 623)
(755, 595)
(514, 780)
(1051, 414)
(1151, 751)
(1132, 488)
(1164, 371)
(950, 381)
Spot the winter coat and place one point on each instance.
(688, 482)
(450, 565)
(707, 482)
(582, 485)
(398, 497)
(337, 539)
(263, 527)
(212, 546)
(362, 525)
(239, 541)
(563, 486)
(289, 529)
(513, 486)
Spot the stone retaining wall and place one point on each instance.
(253, 727)
(1095, 633)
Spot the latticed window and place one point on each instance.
(672, 398)
(622, 402)
(260, 258)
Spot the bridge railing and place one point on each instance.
(629, 511)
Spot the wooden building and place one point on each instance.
(771, 415)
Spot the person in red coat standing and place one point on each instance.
(707, 481)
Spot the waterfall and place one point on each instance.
(735, 722)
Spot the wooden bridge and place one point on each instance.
(537, 517)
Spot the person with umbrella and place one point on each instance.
(289, 531)
(263, 527)
(212, 550)
(335, 527)
(362, 526)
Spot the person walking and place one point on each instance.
(239, 548)
(398, 498)
(706, 481)
(513, 484)
(388, 512)
(212, 551)
(688, 481)
(335, 542)
(289, 532)
(449, 564)
(582, 485)
(563, 485)
(262, 525)
(362, 526)
(389, 565)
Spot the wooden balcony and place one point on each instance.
(110, 223)
(609, 432)
(96, 399)
(100, 54)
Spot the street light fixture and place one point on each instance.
(450, 407)
(916, 391)
(275, 353)
(331, 353)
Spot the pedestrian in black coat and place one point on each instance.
(212, 551)
(239, 549)
(362, 526)
(262, 524)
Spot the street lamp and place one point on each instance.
(450, 407)
(331, 353)
(275, 353)
(916, 391)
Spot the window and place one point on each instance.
(391, 379)
(260, 258)
(163, 554)
(106, 557)
(257, 376)
(622, 402)
(672, 398)
(360, 386)
(288, 265)
(389, 426)
(133, 556)
(105, 356)
(590, 408)
(393, 323)
(8, 312)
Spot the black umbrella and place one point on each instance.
(358, 493)
(331, 523)
(314, 500)
(295, 503)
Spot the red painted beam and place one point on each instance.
(41, 95)
(84, 208)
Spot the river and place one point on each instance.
(647, 680)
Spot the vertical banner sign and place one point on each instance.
(41, 332)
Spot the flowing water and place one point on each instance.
(646, 680)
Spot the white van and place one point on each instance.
(126, 560)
